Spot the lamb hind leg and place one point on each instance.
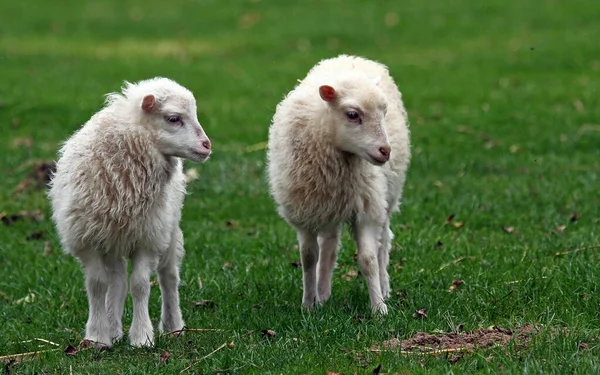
(141, 332)
(309, 253)
(168, 278)
(328, 247)
(116, 268)
(383, 257)
(367, 235)
(97, 329)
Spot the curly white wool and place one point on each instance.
(118, 193)
(338, 152)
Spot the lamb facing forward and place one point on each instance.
(338, 152)
(118, 193)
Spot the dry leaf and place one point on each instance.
(560, 228)
(420, 314)
(231, 345)
(227, 266)
(39, 177)
(27, 299)
(455, 285)
(334, 373)
(508, 229)
(35, 236)
(458, 224)
(10, 219)
(47, 248)
(574, 217)
(199, 282)
(352, 274)
(164, 356)
(204, 303)
(191, 175)
(455, 224)
(268, 333)
(71, 350)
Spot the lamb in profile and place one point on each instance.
(118, 193)
(338, 151)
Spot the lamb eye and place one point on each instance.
(352, 115)
(173, 119)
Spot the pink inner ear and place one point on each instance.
(148, 103)
(327, 93)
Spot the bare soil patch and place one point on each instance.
(423, 342)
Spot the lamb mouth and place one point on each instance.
(377, 161)
(203, 156)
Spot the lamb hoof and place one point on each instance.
(88, 344)
(380, 309)
(386, 292)
(323, 298)
(174, 329)
(141, 338)
(309, 306)
(117, 335)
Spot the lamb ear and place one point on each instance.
(327, 93)
(375, 80)
(148, 103)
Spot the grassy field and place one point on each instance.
(503, 100)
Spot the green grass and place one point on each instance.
(503, 102)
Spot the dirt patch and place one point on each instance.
(481, 338)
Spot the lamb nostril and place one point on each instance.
(385, 151)
(206, 144)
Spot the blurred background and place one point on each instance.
(503, 101)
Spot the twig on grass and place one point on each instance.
(451, 263)
(430, 352)
(249, 333)
(22, 356)
(203, 358)
(40, 339)
(520, 281)
(577, 250)
(178, 331)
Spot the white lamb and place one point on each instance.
(118, 193)
(338, 152)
